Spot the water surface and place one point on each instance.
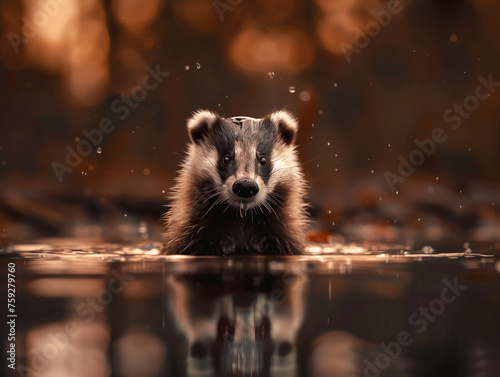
(86, 308)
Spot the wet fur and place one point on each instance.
(205, 220)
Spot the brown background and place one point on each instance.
(356, 118)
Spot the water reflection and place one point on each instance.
(110, 310)
(239, 324)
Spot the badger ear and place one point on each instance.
(199, 125)
(286, 124)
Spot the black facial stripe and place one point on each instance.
(263, 170)
(225, 171)
(224, 139)
(223, 136)
(265, 143)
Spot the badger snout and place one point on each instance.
(245, 188)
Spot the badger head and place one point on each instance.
(249, 162)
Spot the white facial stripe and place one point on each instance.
(245, 161)
(206, 160)
(284, 161)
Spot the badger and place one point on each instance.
(240, 188)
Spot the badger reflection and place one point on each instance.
(238, 325)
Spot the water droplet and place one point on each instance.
(329, 212)
(427, 250)
(328, 143)
(291, 89)
(335, 85)
(99, 150)
(124, 215)
(163, 191)
(198, 65)
(143, 227)
(372, 171)
(397, 192)
(437, 178)
(270, 75)
(333, 222)
(186, 68)
(305, 96)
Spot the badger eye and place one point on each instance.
(262, 160)
(226, 160)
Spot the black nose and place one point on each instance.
(245, 188)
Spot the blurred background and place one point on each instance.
(95, 95)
